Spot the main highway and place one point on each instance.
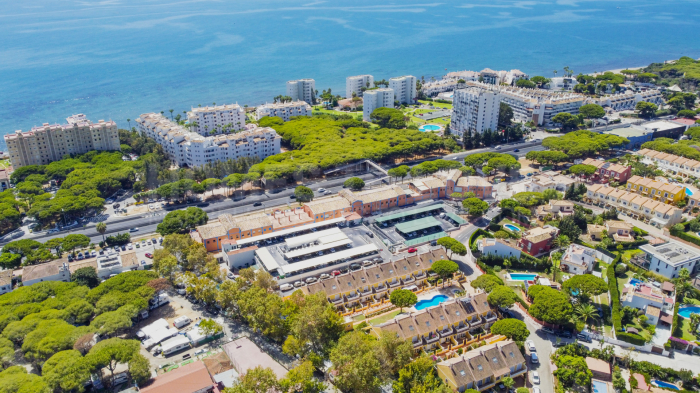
(147, 222)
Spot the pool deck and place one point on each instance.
(447, 291)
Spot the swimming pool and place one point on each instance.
(688, 191)
(429, 127)
(686, 311)
(599, 386)
(522, 276)
(663, 384)
(433, 301)
(512, 227)
(634, 281)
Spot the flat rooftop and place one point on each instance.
(411, 212)
(627, 132)
(417, 225)
(672, 252)
(291, 232)
(661, 125)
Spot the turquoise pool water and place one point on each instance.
(688, 191)
(429, 127)
(433, 301)
(522, 276)
(634, 281)
(599, 386)
(686, 311)
(512, 227)
(667, 385)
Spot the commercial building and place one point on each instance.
(50, 271)
(670, 162)
(114, 263)
(302, 90)
(629, 99)
(50, 142)
(474, 110)
(190, 149)
(355, 84)
(284, 110)
(483, 368)
(245, 355)
(218, 119)
(578, 260)
(664, 129)
(667, 259)
(5, 281)
(441, 326)
(377, 98)
(656, 190)
(607, 171)
(637, 206)
(538, 240)
(481, 187)
(190, 378)
(636, 136)
(404, 88)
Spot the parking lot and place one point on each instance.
(395, 232)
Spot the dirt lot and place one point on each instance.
(527, 166)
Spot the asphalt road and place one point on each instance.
(147, 223)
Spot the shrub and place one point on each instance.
(630, 338)
(620, 269)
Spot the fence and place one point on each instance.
(603, 257)
(648, 348)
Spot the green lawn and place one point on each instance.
(436, 104)
(384, 318)
(4, 164)
(628, 254)
(507, 221)
(358, 318)
(688, 334)
(622, 280)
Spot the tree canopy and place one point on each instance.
(181, 221)
(475, 207)
(514, 329)
(583, 143)
(585, 284)
(502, 296)
(549, 305)
(403, 298)
(303, 194)
(354, 183)
(487, 282)
(592, 111)
(388, 118)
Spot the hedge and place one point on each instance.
(582, 243)
(685, 236)
(630, 338)
(475, 235)
(614, 294)
(493, 227)
(677, 326)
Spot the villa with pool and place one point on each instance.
(442, 325)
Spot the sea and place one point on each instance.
(117, 59)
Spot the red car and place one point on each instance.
(335, 273)
(412, 249)
(149, 255)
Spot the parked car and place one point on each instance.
(531, 346)
(321, 189)
(536, 390)
(311, 280)
(516, 150)
(149, 255)
(186, 356)
(257, 204)
(565, 334)
(80, 256)
(335, 273)
(547, 330)
(292, 196)
(366, 262)
(298, 284)
(325, 276)
(497, 147)
(534, 359)
(355, 266)
(535, 378)
(286, 287)
(133, 230)
(412, 249)
(584, 337)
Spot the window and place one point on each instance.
(410, 327)
(480, 367)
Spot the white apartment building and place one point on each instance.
(42, 145)
(670, 162)
(377, 98)
(467, 76)
(488, 75)
(434, 88)
(354, 84)
(475, 110)
(578, 260)
(302, 90)
(562, 83)
(629, 99)
(404, 88)
(216, 119)
(284, 110)
(50, 271)
(193, 150)
(634, 205)
(667, 259)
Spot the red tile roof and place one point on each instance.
(190, 378)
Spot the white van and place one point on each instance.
(286, 287)
(181, 321)
(120, 379)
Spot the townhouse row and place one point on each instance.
(678, 165)
(607, 171)
(373, 284)
(637, 206)
(656, 190)
(442, 326)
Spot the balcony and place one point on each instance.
(446, 332)
(380, 288)
(420, 275)
(365, 291)
(417, 342)
(461, 327)
(475, 322)
(394, 284)
(490, 318)
(408, 280)
(352, 296)
(431, 337)
(337, 300)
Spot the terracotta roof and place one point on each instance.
(129, 258)
(75, 265)
(322, 206)
(189, 378)
(597, 365)
(668, 286)
(653, 311)
(213, 230)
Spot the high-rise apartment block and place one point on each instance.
(377, 98)
(474, 110)
(284, 110)
(302, 90)
(50, 142)
(354, 84)
(404, 89)
(190, 149)
(216, 119)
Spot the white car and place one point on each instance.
(321, 190)
(286, 287)
(498, 147)
(536, 390)
(531, 346)
(535, 378)
(130, 246)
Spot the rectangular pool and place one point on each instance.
(599, 386)
(522, 276)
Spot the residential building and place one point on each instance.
(538, 240)
(656, 190)
(637, 206)
(5, 281)
(608, 171)
(302, 90)
(434, 88)
(216, 119)
(667, 259)
(190, 149)
(404, 88)
(596, 231)
(50, 142)
(635, 135)
(504, 248)
(377, 98)
(373, 284)
(355, 84)
(327, 208)
(480, 186)
(619, 230)
(284, 110)
(555, 208)
(578, 260)
(190, 378)
(441, 326)
(4, 179)
(599, 368)
(246, 355)
(550, 180)
(562, 83)
(628, 100)
(670, 162)
(50, 271)
(483, 368)
(642, 295)
(653, 315)
(663, 129)
(468, 76)
(114, 263)
(489, 76)
(474, 110)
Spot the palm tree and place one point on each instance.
(101, 228)
(562, 241)
(129, 120)
(171, 113)
(555, 73)
(585, 312)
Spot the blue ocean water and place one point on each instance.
(116, 59)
